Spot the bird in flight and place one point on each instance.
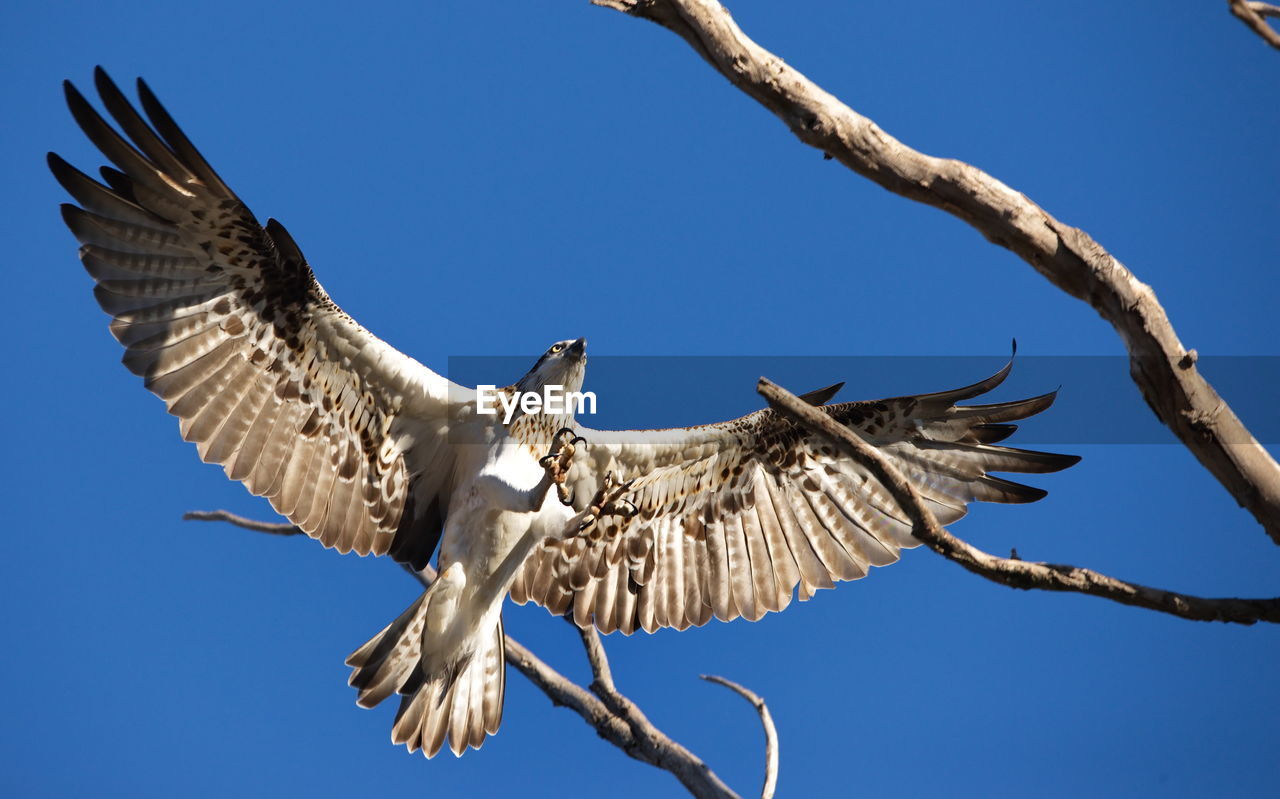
(367, 450)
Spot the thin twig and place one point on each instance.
(1252, 13)
(1009, 571)
(274, 528)
(1068, 257)
(770, 732)
(615, 717)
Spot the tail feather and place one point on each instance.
(461, 703)
(388, 660)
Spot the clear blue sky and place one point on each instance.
(484, 179)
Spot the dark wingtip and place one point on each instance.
(70, 214)
(1049, 462)
(148, 98)
(104, 84)
(1033, 494)
(72, 94)
(1014, 493)
(821, 396)
(993, 433)
(284, 242)
(102, 79)
(119, 182)
(970, 391)
(150, 103)
(66, 174)
(177, 141)
(1035, 405)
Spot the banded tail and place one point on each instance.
(461, 701)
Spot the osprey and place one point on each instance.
(367, 450)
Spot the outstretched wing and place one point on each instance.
(226, 323)
(732, 517)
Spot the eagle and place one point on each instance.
(368, 451)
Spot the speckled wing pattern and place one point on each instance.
(226, 323)
(735, 518)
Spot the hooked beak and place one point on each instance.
(578, 348)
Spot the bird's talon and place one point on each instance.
(557, 462)
(610, 500)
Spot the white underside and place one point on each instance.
(488, 535)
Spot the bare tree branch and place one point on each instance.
(614, 716)
(770, 732)
(1009, 571)
(1068, 257)
(1252, 13)
(646, 742)
(274, 528)
(601, 673)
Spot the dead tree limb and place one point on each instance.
(770, 732)
(273, 528)
(1010, 572)
(614, 716)
(1069, 258)
(645, 741)
(1252, 14)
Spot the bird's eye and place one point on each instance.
(556, 348)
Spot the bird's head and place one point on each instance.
(563, 364)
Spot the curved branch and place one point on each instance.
(1011, 572)
(770, 732)
(1068, 257)
(614, 717)
(1251, 13)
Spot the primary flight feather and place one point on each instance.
(367, 450)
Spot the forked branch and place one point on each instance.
(1163, 369)
(1253, 14)
(615, 717)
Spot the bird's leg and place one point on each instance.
(495, 482)
(610, 500)
(557, 463)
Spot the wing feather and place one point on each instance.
(785, 569)
(763, 579)
(737, 518)
(225, 321)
